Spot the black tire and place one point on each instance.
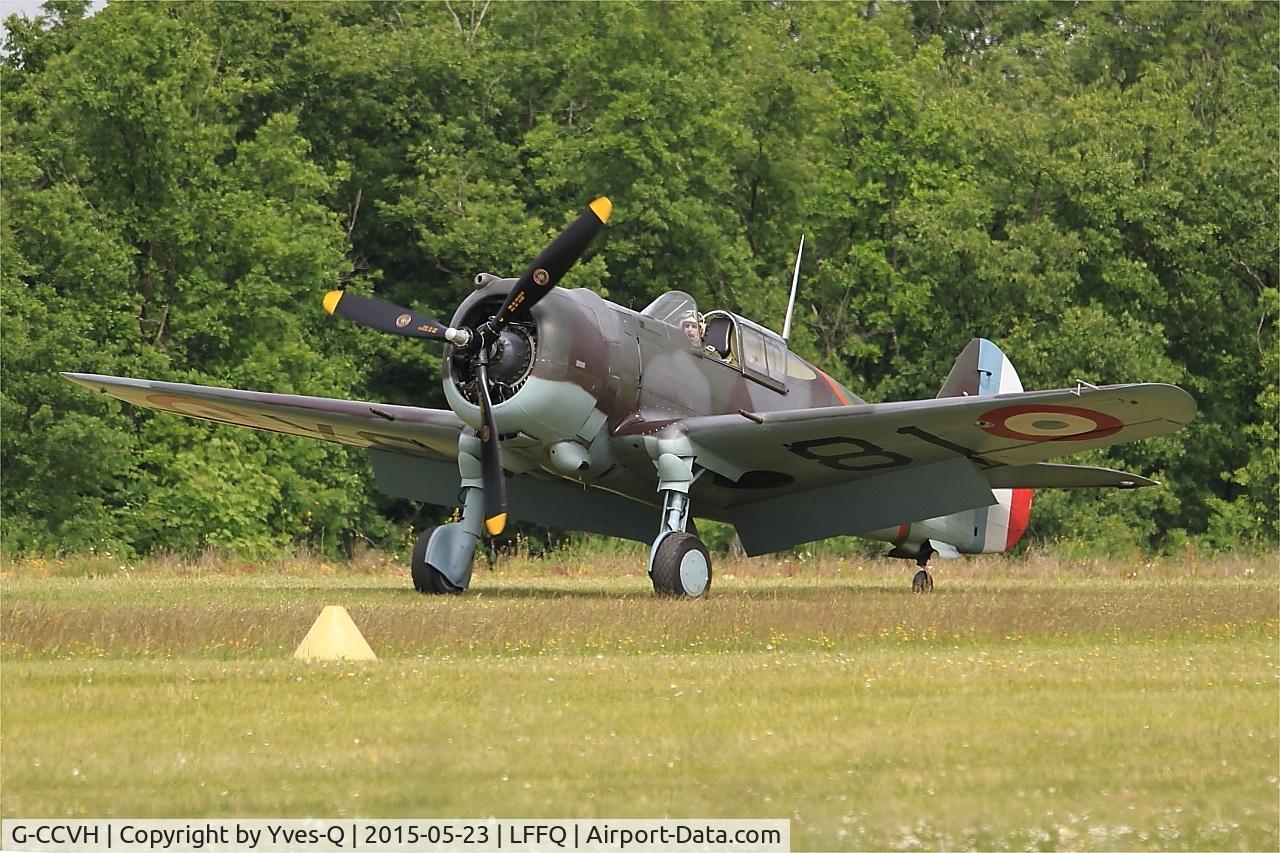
(922, 582)
(681, 567)
(426, 577)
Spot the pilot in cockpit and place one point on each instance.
(692, 325)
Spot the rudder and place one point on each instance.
(981, 370)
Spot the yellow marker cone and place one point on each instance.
(334, 637)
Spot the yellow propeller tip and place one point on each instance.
(601, 207)
(496, 524)
(331, 300)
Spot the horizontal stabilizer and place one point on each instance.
(1047, 475)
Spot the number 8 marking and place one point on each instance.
(847, 460)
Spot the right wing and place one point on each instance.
(408, 430)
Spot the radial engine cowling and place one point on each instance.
(546, 375)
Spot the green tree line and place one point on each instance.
(1093, 186)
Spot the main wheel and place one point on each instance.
(922, 582)
(427, 579)
(681, 566)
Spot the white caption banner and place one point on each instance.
(324, 836)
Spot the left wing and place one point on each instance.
(848, 442)
(400, 429)
(1050, 475)
(794, 476)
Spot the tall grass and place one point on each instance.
(598, 556)
(1025, 704)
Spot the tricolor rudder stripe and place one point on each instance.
(981, 369)
(1019, 515)
(998, 528)
(996, 373)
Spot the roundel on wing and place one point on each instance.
(1032, 422)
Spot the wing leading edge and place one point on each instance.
(408, 430)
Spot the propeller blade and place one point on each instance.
(550, 266)
(495, 485)
(385, 317)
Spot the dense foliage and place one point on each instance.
(1093, 186)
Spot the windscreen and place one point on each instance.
(670, 307)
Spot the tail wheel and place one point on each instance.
(427, 579)
(681, 566)
(922, 582)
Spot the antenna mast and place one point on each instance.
(791, 303)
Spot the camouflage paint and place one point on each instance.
(617, 384)
(602, 371)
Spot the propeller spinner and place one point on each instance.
(543, 274)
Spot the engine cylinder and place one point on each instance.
(546, 373)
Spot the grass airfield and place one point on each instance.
(1033, 704)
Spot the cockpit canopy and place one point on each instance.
(758, 352)
(671, 307)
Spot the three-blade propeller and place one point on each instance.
(495, 486)
(543, 274)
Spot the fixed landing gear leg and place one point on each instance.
(442, 559)
(679, 564)
(923, 581)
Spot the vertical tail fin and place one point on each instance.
(981, 370)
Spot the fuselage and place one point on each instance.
(598, 378)
(603, 376)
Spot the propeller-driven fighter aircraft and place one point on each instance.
(570, 411)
